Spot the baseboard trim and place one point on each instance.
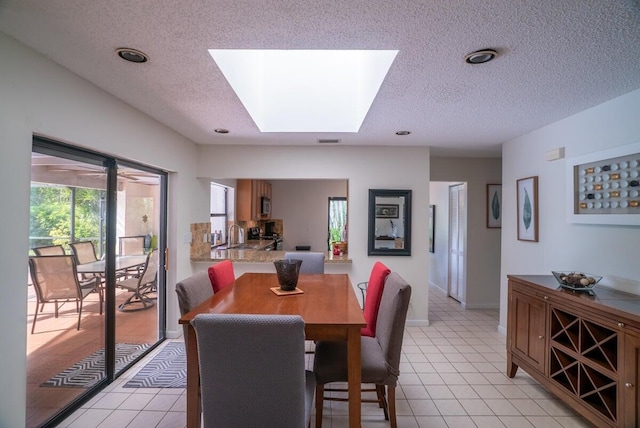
(417, 323)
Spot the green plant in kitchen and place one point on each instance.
(335, 234)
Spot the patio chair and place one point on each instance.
(312, 262)
(252, 370)
(49, 250)
(131, 245)
(55, 280)
(380, 355)
(84, 252)
(141, 286)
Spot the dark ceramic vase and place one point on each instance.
(288, 272)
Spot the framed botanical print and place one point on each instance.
(494, 205)
(527, 197)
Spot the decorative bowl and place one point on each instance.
(574, 280)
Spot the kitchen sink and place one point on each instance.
(237, 247)
(244, 247)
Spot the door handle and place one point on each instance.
(166, 258)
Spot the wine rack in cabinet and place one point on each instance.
(584, 361)
(590, 355)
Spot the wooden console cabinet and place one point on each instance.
(583, 348)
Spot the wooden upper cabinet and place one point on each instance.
(249, 195)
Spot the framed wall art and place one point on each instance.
(387, 211)
(527, 198)
(494, 205)
(604, 187)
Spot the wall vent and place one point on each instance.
(328, 141)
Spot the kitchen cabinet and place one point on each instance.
(583, 348)
(249, 195)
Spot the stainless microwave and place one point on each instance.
(265, 206)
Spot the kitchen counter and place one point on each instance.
(259, 256)
(257, 244)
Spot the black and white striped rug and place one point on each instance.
(168, 369)
(88, 371)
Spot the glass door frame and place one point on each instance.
(47, 146)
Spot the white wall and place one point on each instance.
(439, 259)
(483, 244)
(400, 168)
(40, 97)
(611, 251)
(303, 206)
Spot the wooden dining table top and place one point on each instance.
(326, 299)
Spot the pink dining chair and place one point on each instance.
(221, 275)
(371, 302)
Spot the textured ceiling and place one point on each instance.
(556, 58)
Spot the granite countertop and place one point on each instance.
(258, 256)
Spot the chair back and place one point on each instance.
(392, 316)
(371, 305)
(312, 262)
(54, 277)
(131, 245)
(191, 292)
(252, 370)
(222, 275)
(84, 252)
(150, 272)
(50, 250)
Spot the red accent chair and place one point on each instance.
(374, 289)
(221, 275)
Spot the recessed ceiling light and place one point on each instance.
(403, 132)
(305, 90)
(481, 56)
(221, 131)
(132, 55)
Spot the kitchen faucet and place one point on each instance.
(230, 236)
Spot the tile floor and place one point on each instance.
(452, 375)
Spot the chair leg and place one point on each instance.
(79, 313)
(33, 326)
(319, 404)
(382, 400)
(392, 406)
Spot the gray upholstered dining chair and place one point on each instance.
(140, 286)
(55, 280)
(191, 292)
(380, 354)
(312, 262)
(252, 370)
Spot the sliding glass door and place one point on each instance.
(140, 205)
(107, 216)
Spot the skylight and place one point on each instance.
(305, 90)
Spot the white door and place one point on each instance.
(457, 240)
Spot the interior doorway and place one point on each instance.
(457, 241)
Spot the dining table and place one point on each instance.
(122, 263)
(326, 302)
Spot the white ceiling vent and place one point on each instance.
(328, 141)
